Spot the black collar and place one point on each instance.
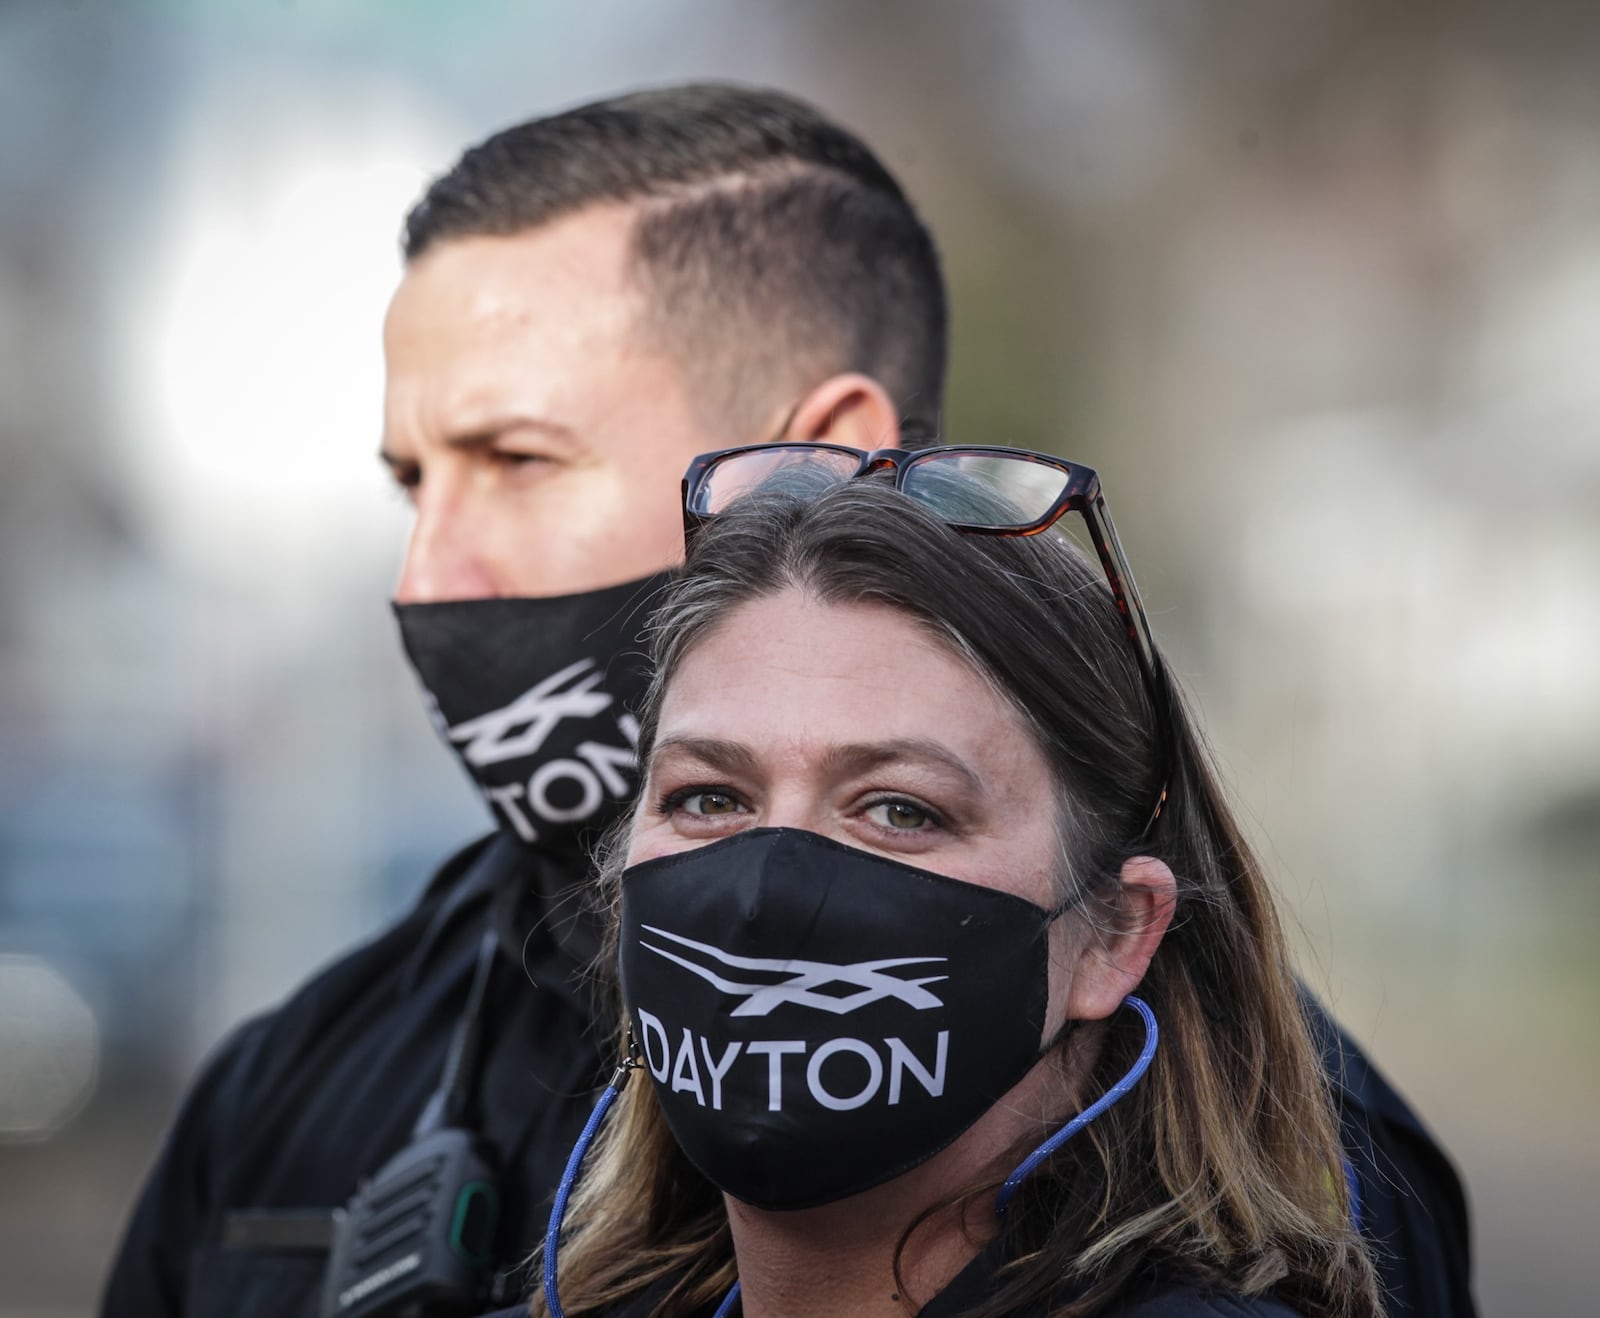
(541, 903)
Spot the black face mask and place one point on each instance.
(537, 697)
(818, 1020)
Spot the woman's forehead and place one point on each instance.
(803, 674)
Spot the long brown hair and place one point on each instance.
(1222, 1167)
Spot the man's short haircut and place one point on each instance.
(773, 247)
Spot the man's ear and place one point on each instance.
(850, 409)
(1114, 959)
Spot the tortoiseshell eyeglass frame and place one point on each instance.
(1080, 494)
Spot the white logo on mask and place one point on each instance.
(806, 978)
(490, 738)
(698, 1070)
(593, 771)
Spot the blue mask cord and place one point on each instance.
(1029, 1165)
(558, 1210)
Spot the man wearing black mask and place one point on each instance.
(589, 300)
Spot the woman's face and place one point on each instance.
(852, 721)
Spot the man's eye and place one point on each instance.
(902, 815)
(510, 458)
(406, 475)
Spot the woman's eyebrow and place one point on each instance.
(730, 757)
(859, 757)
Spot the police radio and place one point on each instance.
(418, 1237)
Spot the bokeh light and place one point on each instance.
(49, 1050)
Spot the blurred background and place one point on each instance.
(1314, 283)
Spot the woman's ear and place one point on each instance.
(1114, 959)
(850, 409)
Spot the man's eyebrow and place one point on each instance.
(858, 757)
(724, 756)
(488, 428)
(480, 433)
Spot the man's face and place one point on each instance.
(539, 440)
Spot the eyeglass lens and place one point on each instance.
(802, 472)
(973, 489)
(985, 490)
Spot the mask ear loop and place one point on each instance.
(1030, 1164)
(580, 1150)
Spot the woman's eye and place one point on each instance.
(900, 815)
(709, 803)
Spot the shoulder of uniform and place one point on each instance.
(1185, 1302)
(247, 1064)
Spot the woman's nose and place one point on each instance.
(797, 808)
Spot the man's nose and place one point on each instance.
(446, 558)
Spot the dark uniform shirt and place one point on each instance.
(302, 1103)
(1409, 1200)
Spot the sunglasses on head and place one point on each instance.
(977, 490)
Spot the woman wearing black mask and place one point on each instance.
(927, 854)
